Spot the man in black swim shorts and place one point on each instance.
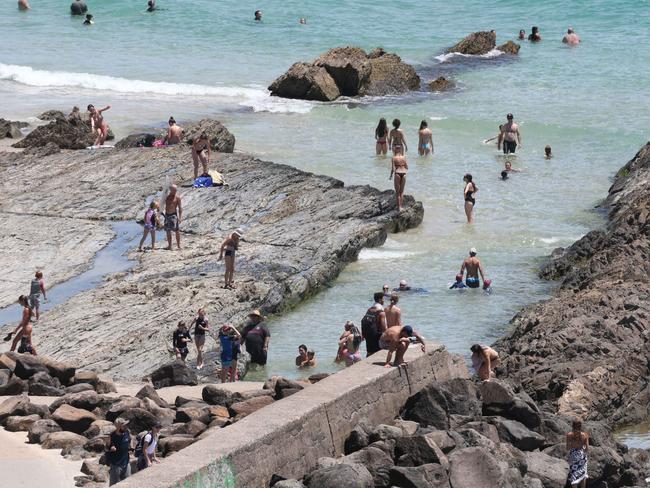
(509, 136)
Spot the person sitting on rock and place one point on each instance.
(397, 340)
(181, 339)
(484, 360)
(174, 133)
(74, 117)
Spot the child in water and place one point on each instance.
(458, 285)
(150, 223)
(487, 287)
(548, 152)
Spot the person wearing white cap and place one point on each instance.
(473, 267)
(118, 452)
(229, 247)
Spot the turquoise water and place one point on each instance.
(589, 102)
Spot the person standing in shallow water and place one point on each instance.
(577, 443)
(425, 139)
(399, 168)
(509, 136)
(256, 336)
(473, 266)
(396, 139)
(381, 137)
(468, 196)
(535, 36)
(229, 248)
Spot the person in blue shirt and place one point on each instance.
(229, 338)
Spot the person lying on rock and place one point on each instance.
(484, 360)
(397, 340)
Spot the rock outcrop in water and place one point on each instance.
(476, 43)
(586, 351)
(300, 230)
(509, 47)
(441, 84)
(347, 71)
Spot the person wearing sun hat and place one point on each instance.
(118, 452)
(256, 337)
(473, 267)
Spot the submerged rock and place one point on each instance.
(441, 84)
(306, 82)
(476, 43)
(509, 47)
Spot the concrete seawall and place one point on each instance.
(288, 437)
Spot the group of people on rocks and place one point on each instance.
(31, 303)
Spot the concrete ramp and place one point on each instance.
(288, 437)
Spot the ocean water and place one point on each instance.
(208, 58)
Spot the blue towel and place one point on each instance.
(203, 182)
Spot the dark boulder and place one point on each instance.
(441, 84)
(148, 391)
(358, 439)
(52, 115)
(11, 129)
(348, 66)
(305, 81)
(221, 139)
(476, 43)
(174, 443)
(425, 476)
(64, 134)
(141, 139)
(20, 423)
(389, 75)
(377, 461)
(434, 405)
(509, 47)
(474, 466)
(73, 419)
(418, 450)
(174, 373)
(518, 435)
(28, 365)
(15, 386)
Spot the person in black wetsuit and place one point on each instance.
(181, 339)
(256, 337)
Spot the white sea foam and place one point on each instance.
(443, 58)
(257, 98)
(433, 117)
(382, 254)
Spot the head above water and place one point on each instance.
(302, 349)
(459, 278)
(89, 17)
(472, 252)
(403, 284)
(407, 331)
(397, 123)
(349, 325)
(378, 297)
(570, 30)
(522, 34)
(258, 15)
(547, 150)
(504, 175)
(508, 165)
(386, 288)
(423, 125)
(535, 30)
(382, 127)
(510, 117)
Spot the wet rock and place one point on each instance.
(476, 43)
(338, 475)
(174, 373)
(249, 406)
(52, 115)
(426, 476)
(473, 466)
(19, 424)
(73, 419)
(174, 443)
(40, 428)
(441, 84)
(389, 75)
(315, 378)
(148, 391)
(551, 471)
(60, 132)
(61, 440)
(221, 139)
(305, 81)
(348, 66)
(509, 47)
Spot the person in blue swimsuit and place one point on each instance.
(473, 267)
(425, 139)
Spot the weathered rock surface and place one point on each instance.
(66, 135)
(16, 423)
(140, 139)
(52, 115)
(441, 84)
(509, 47)
(282, 211)
(347, 71)
(338, 475)
(73, 419)
(585, 351)
(476, 43)
(221, 139)
(174, 373)
(11, 129)
(61, 440)
(40, 428)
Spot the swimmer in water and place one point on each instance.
(535, 36)
(23, 5)
(548, 152)
(302, 21)
(399, 167)
(510, 169)
(458, 284)
(381, 137)
(504, 175)
(396, 139)
(522, 35)
(468, 195)
(258, 16)
(89, 21)
(151, 5)
(571, 38)
(425, 139)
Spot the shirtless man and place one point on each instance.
(509, 136)
(571, 38)
(393, 312)
(173, 214)
(174, 133)
(98, 124)
(473, 267)
(397, 339)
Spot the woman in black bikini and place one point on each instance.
(397, 141)
(199, 146)
(229, 247)
(470, 201)
(381, 136)
(399, 167)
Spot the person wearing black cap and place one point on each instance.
(397, 340)
(149, 442)
(509, 136)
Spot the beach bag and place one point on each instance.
(139, 445)
(369, 324)
(203, 182)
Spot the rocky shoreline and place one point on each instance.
(300, 230)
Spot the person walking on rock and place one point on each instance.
(373, 324)
(473, 267)
(36, 287)
(173, 215)
(97, 123)
(118, 452)
(577, 443)
(256, 337)
(201, 327)
(150, 224)
(147, 452)
(181, 338)
(397, 340)
(24, 326)
(229, 248)
(484, 360)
